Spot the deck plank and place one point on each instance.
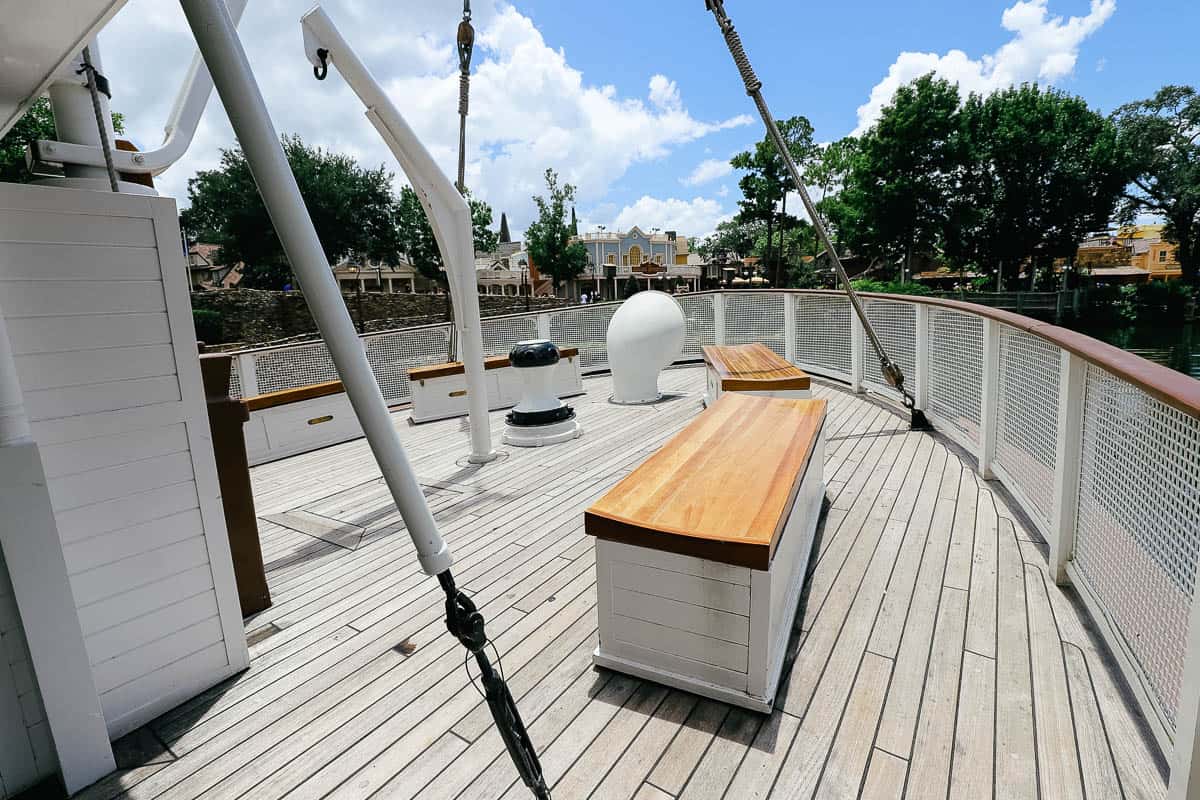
(334, 704)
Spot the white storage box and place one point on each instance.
(701, 552)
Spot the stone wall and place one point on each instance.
(254, 316)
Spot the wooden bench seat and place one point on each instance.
(754, 369)
(456, 367)
(701, 551)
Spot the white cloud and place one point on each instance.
(530, 109)
(696, 217)
(707, 171)
(1043, 48)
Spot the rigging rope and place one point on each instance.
(94, 84)
(890, 369)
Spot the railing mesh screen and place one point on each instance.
(1138, 532)
(823, 334)
(956, 370)
(290, 367)
(392, 354)
(235, 379)
(896, 325)
(501, 333)
(755, 317)
(585, 327)
(701, 329)
(1027, 416)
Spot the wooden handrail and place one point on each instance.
(1173, 388)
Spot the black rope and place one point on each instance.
(465, 623)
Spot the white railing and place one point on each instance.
(1099, 448)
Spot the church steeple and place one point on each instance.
(505, 236)
(574, 223)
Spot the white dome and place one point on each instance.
(645, 336)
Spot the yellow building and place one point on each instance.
(1150, 252)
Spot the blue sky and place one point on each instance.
(628, 99)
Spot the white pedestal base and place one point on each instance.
(542, 435)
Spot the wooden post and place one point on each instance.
(989, 406)
(856, 353)
(1184, 782)
(226, 417)
(921, 393)
(789, 327)
(1068, 453)
(719, 318)
(248, 374)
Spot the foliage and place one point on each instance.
(353, 210)
(548, 237)
(630, 288)
(900, 180)
(1161, 138)
(486, 239)
(766, 183)
(732, 238)
(1162, 299)
(889, 287)
(1038, 171)
(37, 123)
(416, 237)
(208, 325)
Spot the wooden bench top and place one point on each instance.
(456, 367)
(753, 368)
(288, 396)
(722, 488)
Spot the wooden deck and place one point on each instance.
(933, 657)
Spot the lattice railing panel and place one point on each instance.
(501, 333)
(1137, 538)
(293, 366)
(896, 325)
(955, 342)
(235, 379)
(1027, 416)
(392, 354)
(823, 333)
(701, 329)
(755, 317)
(585, 327)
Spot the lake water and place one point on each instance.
(1176, 345)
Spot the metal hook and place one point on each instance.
(320, 72)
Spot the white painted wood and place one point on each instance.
(713, 390)
(921, 352)
(445, 397)
(1068, 453)
(856, 354)
(789, 328)
(282, 431)
(989, 404)
(1185, 753)
(543, 326)
(661, 617)
(33, 552)
(248, 374)
(106, 352)
(718, 301)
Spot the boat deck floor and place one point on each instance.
(931, 658)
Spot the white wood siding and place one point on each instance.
(95, 295)
(26, 752)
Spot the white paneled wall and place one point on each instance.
(95, 293)
(26, 751)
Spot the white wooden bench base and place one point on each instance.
(711, 628)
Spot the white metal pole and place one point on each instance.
(226, 59)
(447, 210)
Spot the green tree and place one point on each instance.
(548, 238)
(735, 236)
(1161, 138)
(37, 123)
(899, 183)
(1039, 170)
(416, 239)
(353, 209)
(766, 183)
(630, 288)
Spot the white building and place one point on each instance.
(655, 258)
